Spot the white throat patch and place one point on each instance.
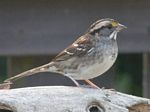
(113, 35)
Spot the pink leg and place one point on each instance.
(91, 84)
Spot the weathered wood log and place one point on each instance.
(70, 99)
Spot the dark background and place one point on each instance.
(32, 32)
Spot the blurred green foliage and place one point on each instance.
(129, 74)
(3, 68)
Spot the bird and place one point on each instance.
(90, 56)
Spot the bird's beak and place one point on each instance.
(120, 27)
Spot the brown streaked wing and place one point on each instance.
(83, 45)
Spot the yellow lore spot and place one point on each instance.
(114, 23)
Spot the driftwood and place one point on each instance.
(70, 99)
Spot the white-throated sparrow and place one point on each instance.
(89, 56)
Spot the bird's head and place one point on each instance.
(106, 28)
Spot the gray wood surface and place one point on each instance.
(48, 26)
(70, 99)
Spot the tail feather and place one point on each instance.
(43, 68)
(5, 85)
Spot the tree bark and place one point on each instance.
(70, 99)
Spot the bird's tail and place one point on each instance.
(43, 68)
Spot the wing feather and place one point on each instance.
(79, 48)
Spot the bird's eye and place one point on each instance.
(109, 26)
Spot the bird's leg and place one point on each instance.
(91, 84)
(76, 83)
